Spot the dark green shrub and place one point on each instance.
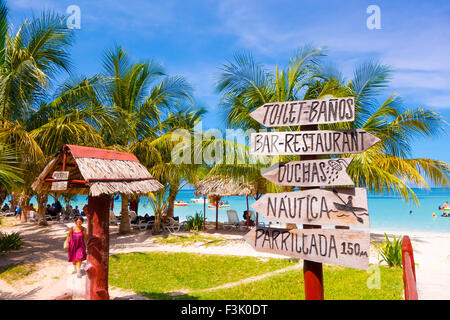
(194, 222)
(10, 242)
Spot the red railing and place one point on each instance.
(409, 270)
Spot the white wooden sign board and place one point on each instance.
(305, 112)
(311, 142)
(347, 248)
(309, 173)
(340, 206)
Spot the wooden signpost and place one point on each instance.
(311, 142)
(308, 173)
(347, 248)
(341, 207)
(295, 113)
(60, 185)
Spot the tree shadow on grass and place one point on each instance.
(168, 296)
(19, 296)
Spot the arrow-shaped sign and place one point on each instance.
(348, 248)
(308, 173)
(342, 207)
(311, 142)
(295, 113)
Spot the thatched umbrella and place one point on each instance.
(98, 173)
(220, 186)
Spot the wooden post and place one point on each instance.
(98, 248)
(217, 213)
(257, 215)
(409, 270)
(247, 214)
(312, 271)
(204, 213)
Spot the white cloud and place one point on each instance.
(416, 46)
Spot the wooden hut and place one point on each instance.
(97, 173)
(221, 186)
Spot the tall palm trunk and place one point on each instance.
(124, 226)
(3, 195)
(23, 204)
(173, 192)
(42, 208)
(157, 224)
(13, 202)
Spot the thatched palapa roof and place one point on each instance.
(223, 187)
(96, 171)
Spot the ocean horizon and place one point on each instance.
(388, 212)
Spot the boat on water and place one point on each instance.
(222, 204)
(179, 203)
(446, 209)
(199, 200)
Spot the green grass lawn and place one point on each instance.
(157, 274)
(13, 272)
(339, 284)
(189, 239)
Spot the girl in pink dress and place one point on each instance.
(76, 242)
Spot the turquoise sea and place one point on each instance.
(387, 212)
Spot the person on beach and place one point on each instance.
(5, 207)
(18, 212)
(58, 209)
(76, 243)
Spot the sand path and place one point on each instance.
(432, 258)
(53, 277)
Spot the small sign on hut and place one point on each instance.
(99, 174)
(62, 180)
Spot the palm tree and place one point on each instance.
(29, 60)
(140, 94)
(387, 166)
(245, 85)
(9, 170)
(162, 167)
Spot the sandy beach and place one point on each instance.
(52, 276)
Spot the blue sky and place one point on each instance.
(194, 38)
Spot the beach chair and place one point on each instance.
(136, 223)
(50, 217)
(132, 215)
(142, 225)
(171, 225)
(9, 213)
(32, 216)
(233, 221)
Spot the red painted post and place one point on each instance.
(409, 270)
(98, 248)
(313, 275)
(312, 271)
